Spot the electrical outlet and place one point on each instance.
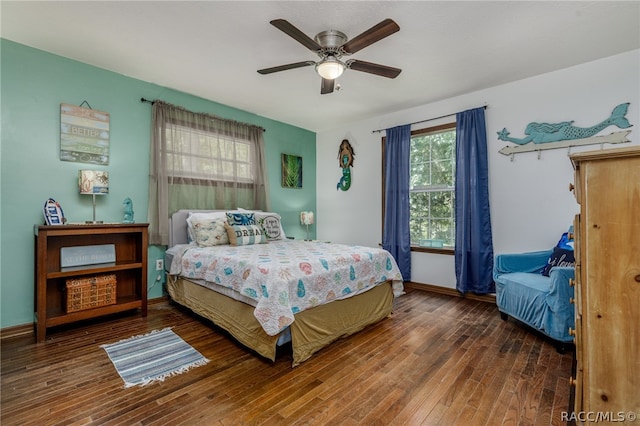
(159, 264)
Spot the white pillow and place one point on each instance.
(210, 232)
(272, 225)
(197, 216)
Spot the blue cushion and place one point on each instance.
(525, 299)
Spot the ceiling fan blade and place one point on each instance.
(287, 28)
(373, 34)
(371, 68)
(327, 86)
(286, 67)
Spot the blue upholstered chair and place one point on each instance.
(542, 302)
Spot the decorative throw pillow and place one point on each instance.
(240, 218)
(566, 241)
(210, 232)
(559, 257)
(243, 235)
(201, 215)
(271, 223)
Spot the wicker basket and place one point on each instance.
(91, 292)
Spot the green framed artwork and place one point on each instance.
(291, 171)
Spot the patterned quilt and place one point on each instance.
(288, 276)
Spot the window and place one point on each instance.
(201, 155)
(432, 187)
(200, 161)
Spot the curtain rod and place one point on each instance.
(428, 119)
(152, 102)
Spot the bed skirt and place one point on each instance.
(312, 329)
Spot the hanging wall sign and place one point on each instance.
(84, 135)
(345, 157)
(541, 136)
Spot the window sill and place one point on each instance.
(444, 250)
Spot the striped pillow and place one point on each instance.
(242, 235)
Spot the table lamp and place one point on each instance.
(93, 182)
(306, 218)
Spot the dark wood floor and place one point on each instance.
(439, 360)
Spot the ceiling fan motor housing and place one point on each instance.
(331, 41)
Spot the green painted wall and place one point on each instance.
(33, 85)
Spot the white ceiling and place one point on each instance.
(212, 49)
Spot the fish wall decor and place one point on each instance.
(540, 136)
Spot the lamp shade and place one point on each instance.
(306, 218)
(330, 68)
(93, 182)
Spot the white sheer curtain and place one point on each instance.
(199, 161)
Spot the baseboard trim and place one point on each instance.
(156, 300)
(489, 298)
(26, 329)
(16, 330)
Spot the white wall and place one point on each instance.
(531, 205)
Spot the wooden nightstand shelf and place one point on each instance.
(130, 270)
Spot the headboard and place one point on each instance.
(178, 226)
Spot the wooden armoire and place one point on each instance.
(607, 285)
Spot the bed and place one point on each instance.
(269, 293)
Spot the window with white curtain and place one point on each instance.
(202, 162)
(198, 154)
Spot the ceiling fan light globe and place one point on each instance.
(330, 69)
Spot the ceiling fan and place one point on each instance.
(331, 45)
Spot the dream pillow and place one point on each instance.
(243, 235)
(559, 257)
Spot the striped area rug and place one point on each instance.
(141, 360)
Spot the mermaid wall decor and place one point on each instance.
(566, 135)
(345, 158)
